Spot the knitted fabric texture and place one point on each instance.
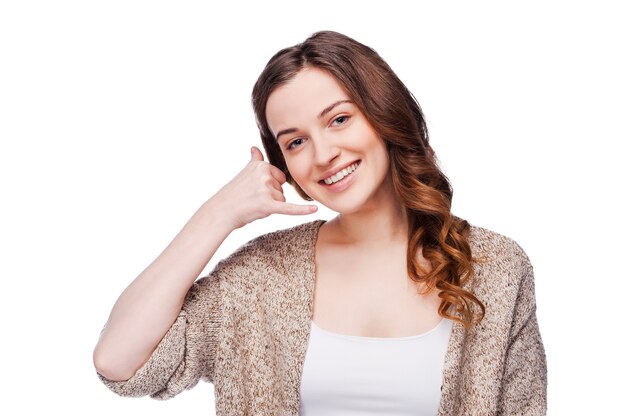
(245, 328)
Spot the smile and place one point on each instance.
(341, 174)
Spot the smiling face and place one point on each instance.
(329, 147)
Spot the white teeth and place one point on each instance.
(341, 174)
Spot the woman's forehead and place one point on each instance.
(303, 98)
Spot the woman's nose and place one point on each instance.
(326, 150)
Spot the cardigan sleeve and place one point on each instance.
(186, 353)
(525, 373)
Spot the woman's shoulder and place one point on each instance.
(283, 241)
(493, 245)
(286, 247)
(285, 238)
(501, 260)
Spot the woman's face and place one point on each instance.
(330, 149)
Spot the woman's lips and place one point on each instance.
(341, 173)
(344, 182)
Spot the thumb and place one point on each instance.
(256, 153)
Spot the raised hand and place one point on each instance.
(256, 192)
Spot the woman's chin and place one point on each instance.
(343, 207)
(341, 202)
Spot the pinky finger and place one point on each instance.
(294, 209)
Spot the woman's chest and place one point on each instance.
(370, 294)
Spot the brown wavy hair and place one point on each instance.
(418, 181)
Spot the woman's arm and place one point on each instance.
(150, 305)
(524, 383)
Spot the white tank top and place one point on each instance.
(346, 375)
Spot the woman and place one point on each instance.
(393, 307)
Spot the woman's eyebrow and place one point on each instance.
(286, 131)
(321, 114)
(333, 105)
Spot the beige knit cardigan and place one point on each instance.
(245, 328)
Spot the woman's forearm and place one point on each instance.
(148, 307)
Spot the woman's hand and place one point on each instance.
(256, 192)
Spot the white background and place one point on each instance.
(119, 118)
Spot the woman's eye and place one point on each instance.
(341, 120)
(296, 142)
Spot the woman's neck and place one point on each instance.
(382, 222)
